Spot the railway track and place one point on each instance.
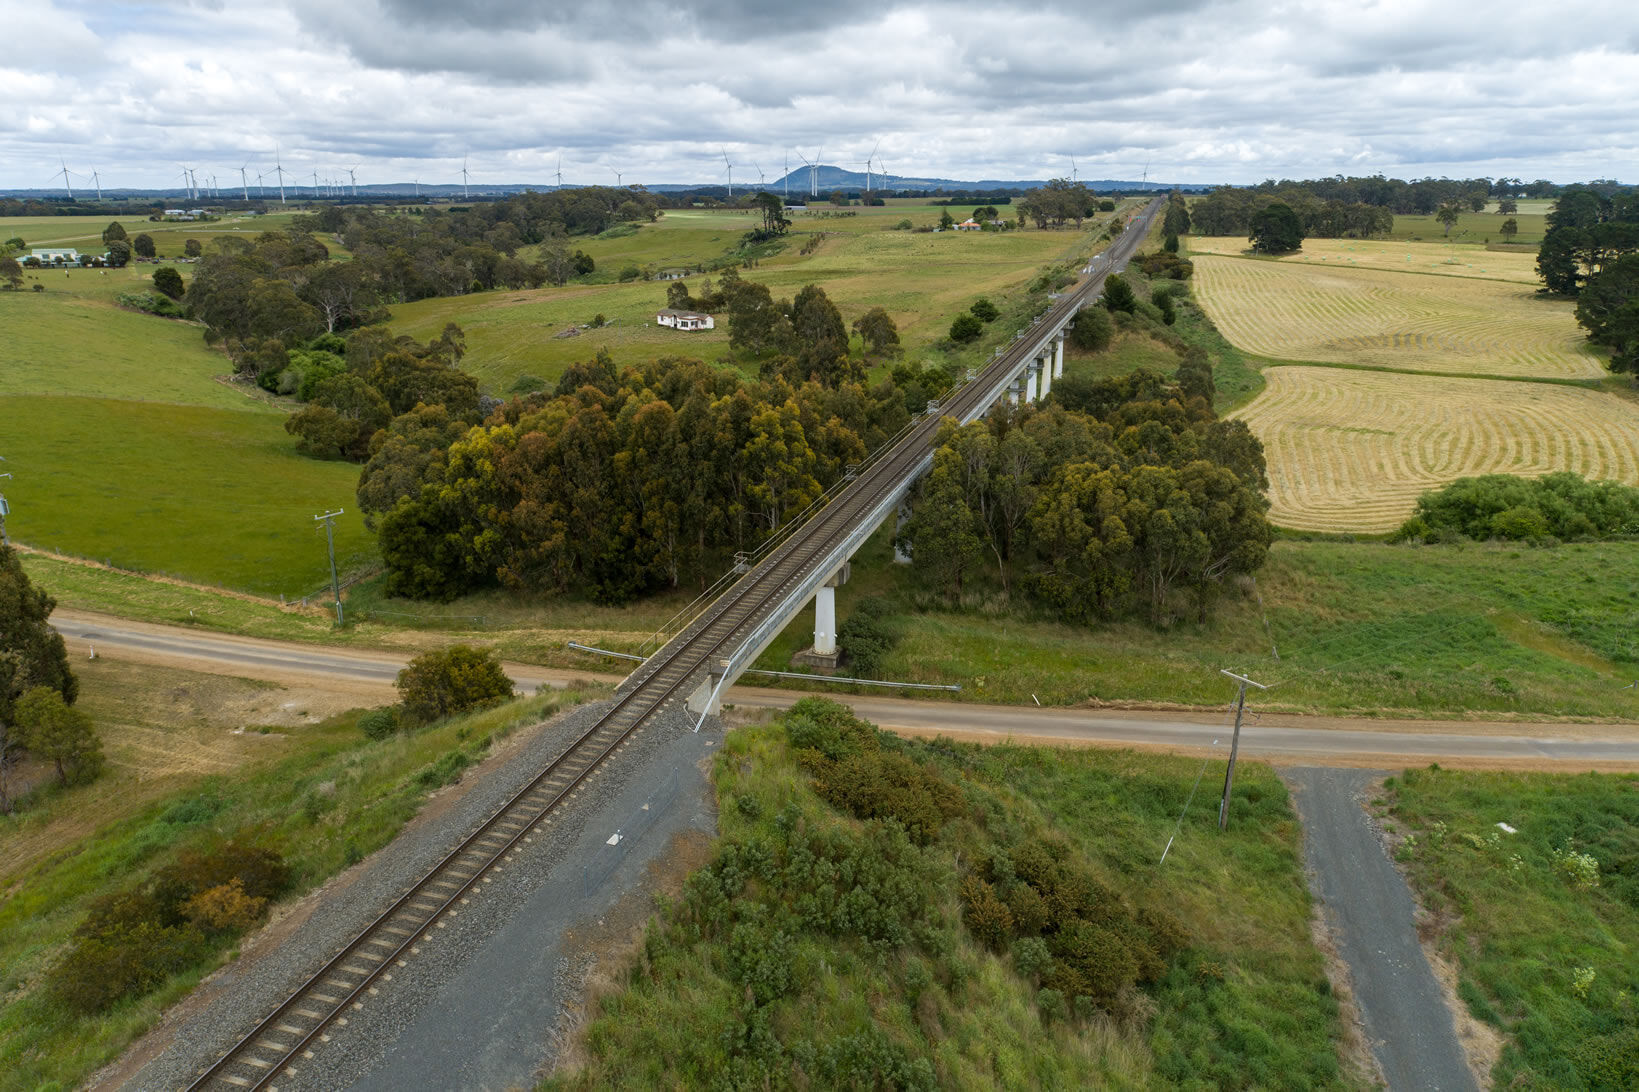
(282, 1048)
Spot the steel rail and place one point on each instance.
(273, 1047)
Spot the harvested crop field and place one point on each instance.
(1436, 259)
(1378, 317)
(1352, 450)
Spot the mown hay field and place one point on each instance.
(1292, 310)
(1352, 450)
(1438, 259)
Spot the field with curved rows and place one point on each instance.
(1305, 310)
(1438, 259)
(1352, 450)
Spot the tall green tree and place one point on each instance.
(1276, 229)
(11, 273)
(1608, 308)
(114, 232)
(1509, 229)
(32, 654)
(1448, 215)
(942, 528)
(143, 245)
(51, 729)
(877, 329)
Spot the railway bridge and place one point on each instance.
(707, 653)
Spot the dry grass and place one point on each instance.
(1299, 309)
(1438, 259)
(1351, 451)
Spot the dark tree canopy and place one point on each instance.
(1276, 229)
(168, 282)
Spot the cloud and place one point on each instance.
(1202, 90)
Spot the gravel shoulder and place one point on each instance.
(1408, 1020)
(483, 1003)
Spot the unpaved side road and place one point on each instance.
(1366, 901)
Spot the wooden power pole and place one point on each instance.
(1235, 744)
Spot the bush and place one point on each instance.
(1092, 330)
(450, 681)
(151, 303)
(380, 723)
(867, 636)
(1118, 294)
(966, 328)
(168, 282)
(885, 785)
(1561, 506)
(984, 310)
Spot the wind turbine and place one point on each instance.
(279, 170)
(787, 179)
(761, 182)
(730, 167)
(353, 173)
(1146, 182)
(463, 178)
(417, 183)
(64, 172)
(1074, 171)
(868, 159)
(560, 172)
(96, 180)
(618, 182)
(813, 173)
(244, 182)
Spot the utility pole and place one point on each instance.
(5, 510)
(1235, 744)
(329, 520)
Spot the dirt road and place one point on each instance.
(1327, 741)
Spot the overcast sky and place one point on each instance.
(1201, 90)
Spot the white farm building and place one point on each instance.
(684, 320)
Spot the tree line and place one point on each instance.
(1106, 503)
(1591, 251)
(617, 483)
(1229, 210)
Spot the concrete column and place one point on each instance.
(1031, 370)
(1047, 374)
(1058, 356)
(900, 556)
(825, 621)
(1013, 392)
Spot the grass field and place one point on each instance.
(85, 232)
(1352, 450)
(1545, 954)
(212, 495)
(1364, 629)
(1246, 1004)
(923, 280)
(1298, 310)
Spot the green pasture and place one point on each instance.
(85, 232)
(74, 339)
(1544, 944)
(198, 492)
(1353, 628)
(923, 280)
(1472, 227)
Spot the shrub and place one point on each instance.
(224, 908)
(128, 961)
(168, 282)
(868, 635)
(1118, 294)
(1031, 957)
(885, 785)
(966, 328)
(987, 917)
(380, 723)
(450, 681)
(1562, 506)
(1092, 330)
(984, 310)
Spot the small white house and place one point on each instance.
(683, 320)
(970, 224)
(55, 256)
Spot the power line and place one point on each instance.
(1235, 744)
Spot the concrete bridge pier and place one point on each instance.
(1046, 363)
(1058, 355)
(825, 653)
(1013, 390)
(1031, 371)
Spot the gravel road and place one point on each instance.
(478, 1005)
(1364, 896)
